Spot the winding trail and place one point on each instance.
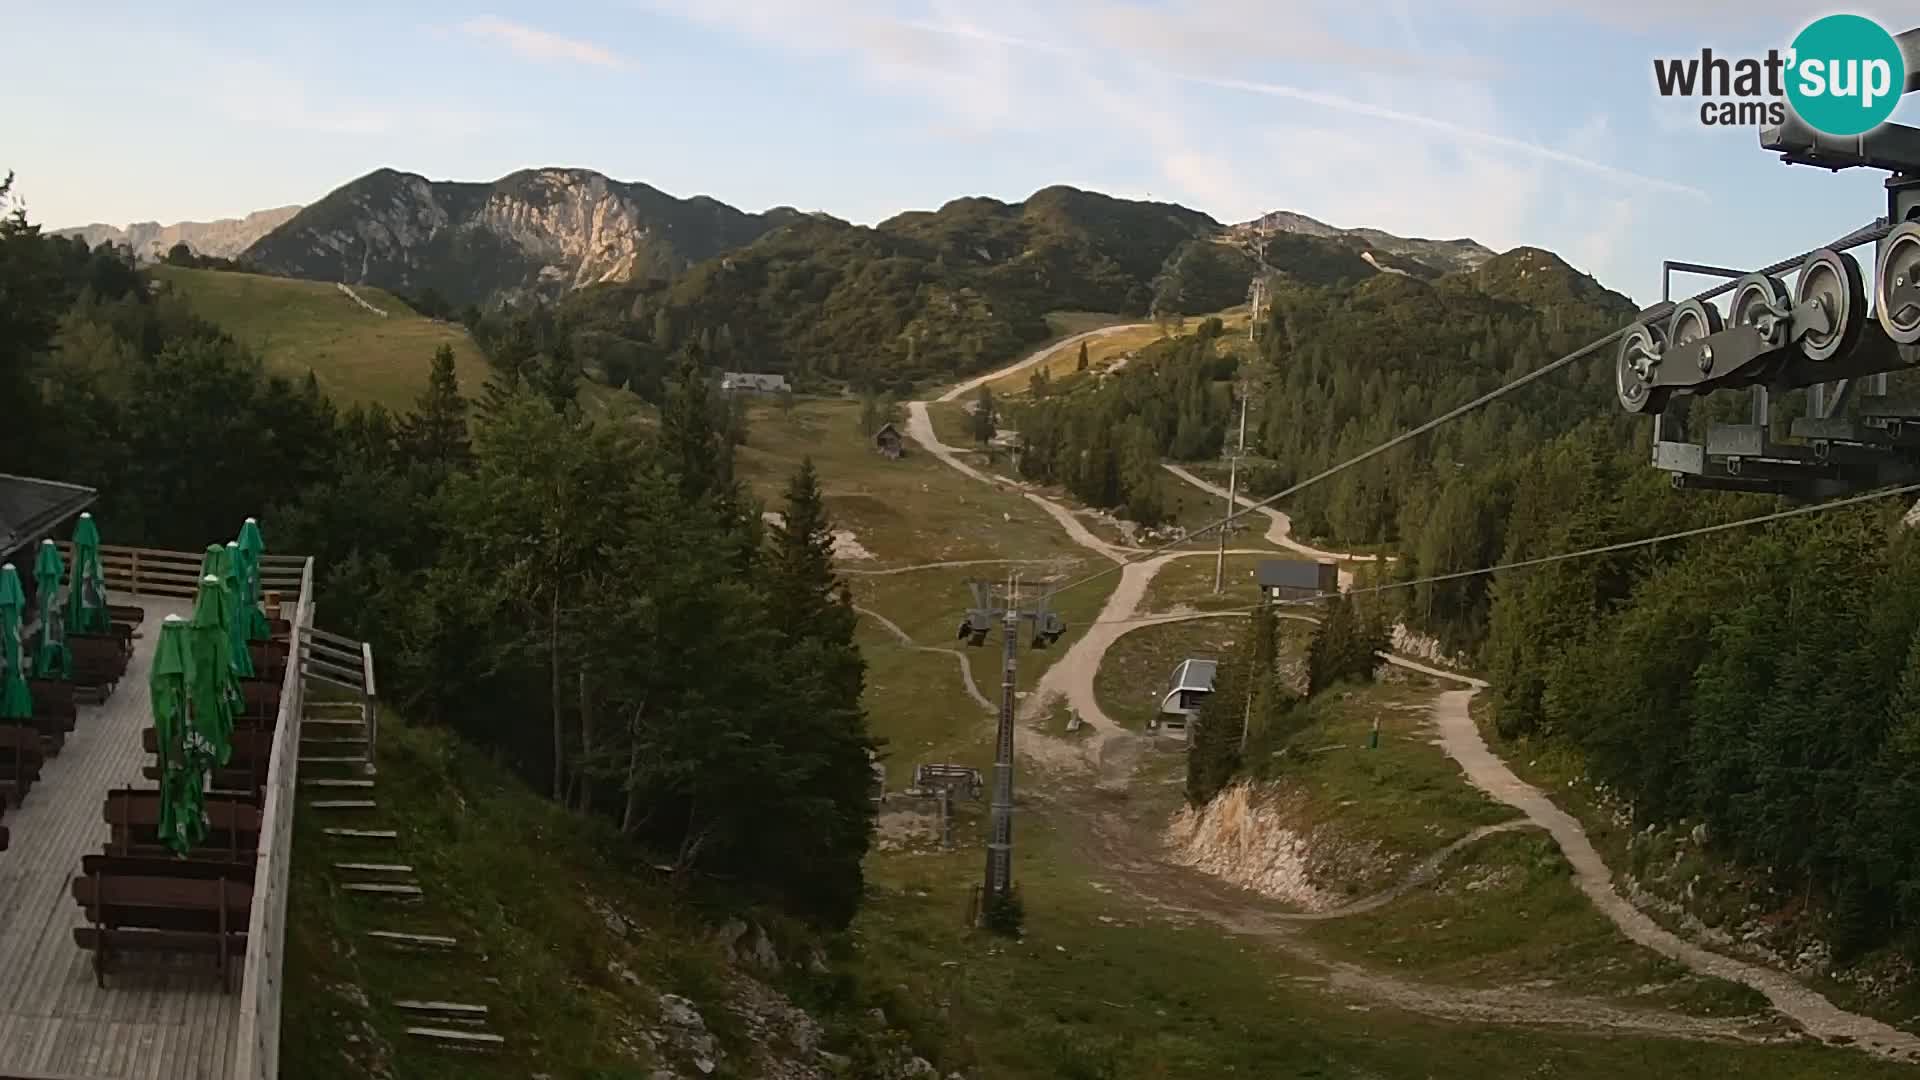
(1034, 357)
(1072, 676)
(1279, 525)
(966, 673)
(952, 565)
(1820, 1017)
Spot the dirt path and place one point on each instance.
(966, 673)
(920, 427)
(1113, 751)
(954, 565)
(1815, 1013)
(1170, 891)
(1034, 357)
(1279, 526)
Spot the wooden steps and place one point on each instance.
(443, 1012)
(373, 868)
(458, 1040)
(413, 941)
(361, 834)
(336, 782)
(342, 804)
(384, 888)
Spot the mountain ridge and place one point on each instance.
(150, 240)
(535, 231)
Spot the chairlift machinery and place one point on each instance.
(1817, 336)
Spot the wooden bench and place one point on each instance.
(246, 770)
(20, 760)
(54, 698)
(133, 819)
(127, 614)
(269, 659)
(249, 743)
(99, 661)
(133, 906)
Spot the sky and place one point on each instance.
(1514, 122)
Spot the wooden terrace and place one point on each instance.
(165, 1017)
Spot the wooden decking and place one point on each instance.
(153, 1020)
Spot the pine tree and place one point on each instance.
(558, 377)
(1343, 647)
(1213, 752)
(810, 612)
(984, 416)
(436, 431)
(1081, 363)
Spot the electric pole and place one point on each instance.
(1047, 628)
(1233, 480)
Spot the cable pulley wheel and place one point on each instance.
(1899, 269)
(1639, 354)
(1760, 301)
(1832, 280)
(1692, 321)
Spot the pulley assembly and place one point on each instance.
(1841, 327)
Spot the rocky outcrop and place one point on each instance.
(537, 231)
(150, 240)
(1440, 255)
(1249, 837)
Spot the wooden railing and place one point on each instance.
(348, 664)
(257, 1042)
(154, 572)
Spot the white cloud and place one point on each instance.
(538, 44)
(1451, 129)
(259, 94)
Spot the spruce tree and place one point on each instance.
(983, 417)
(436, 431)
(557, 376)
(1081, 364)
(810, 612)
(1213, 751)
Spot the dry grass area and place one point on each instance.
(299, 326)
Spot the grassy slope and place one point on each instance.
(527, 890)
(1105, 985)
(296, 326)
(907, 513)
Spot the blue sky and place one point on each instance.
(1510, 121)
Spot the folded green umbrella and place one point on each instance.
(51, 660)
(183, 819)
(252, 546)
(213, 692)
(16, 703)
(87, 600)
(214, 562)
(237, 615)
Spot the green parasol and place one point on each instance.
(213, 693)
(183, 820)
(214, 562)
(87, 598)
(51, 660)
(252, 546)
(15, 702)
(237, 614)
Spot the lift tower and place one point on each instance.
(1047, 628)
(1816, 336)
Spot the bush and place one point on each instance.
(1004, 913)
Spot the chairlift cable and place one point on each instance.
(1604, 549)
(1869, 233)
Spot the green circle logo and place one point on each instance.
(1845, 75)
